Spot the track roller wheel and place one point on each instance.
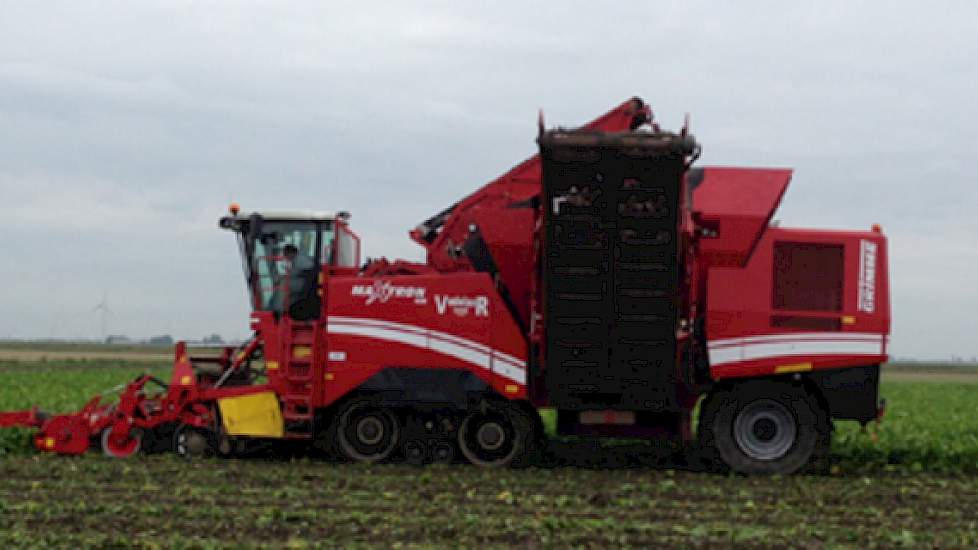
(228, 446)
(443, 453)
(499, 435)
(415, 452)
(763, 427)
(191, 442)
(120, 440)
(365, 432)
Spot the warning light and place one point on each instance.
(877, 228)
(234, 209)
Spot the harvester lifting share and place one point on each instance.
(145, 405)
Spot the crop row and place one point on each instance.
(167, 502)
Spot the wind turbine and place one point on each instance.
(103, 308)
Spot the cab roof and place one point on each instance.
(289, 215)
(239, 221)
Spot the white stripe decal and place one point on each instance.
(765, 350)
(515, 374)
(460, 348)
(411, 328)
(798, 336)
(508, 358)
(381, 334)
(461, 352)
(726, 355)
(502, 361)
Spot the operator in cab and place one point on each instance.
(300, 272)
(296, 280)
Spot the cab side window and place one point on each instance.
(347, 249)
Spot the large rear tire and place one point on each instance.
(763, 427)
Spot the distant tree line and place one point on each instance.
(162, 340)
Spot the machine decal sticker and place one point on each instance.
(469, 351)
(734, 350)
(462, 306)
(867, 276)
(383, 291)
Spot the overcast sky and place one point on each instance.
(126, 129)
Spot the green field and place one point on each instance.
(907, 481)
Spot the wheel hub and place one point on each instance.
(490, 436)
(370, 430)
(765, 430)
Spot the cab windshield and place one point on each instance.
(282, 261)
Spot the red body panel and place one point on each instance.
(440, 321)
(453, 321)
(749, 336)
(737, 204)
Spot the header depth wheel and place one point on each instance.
(120, 441)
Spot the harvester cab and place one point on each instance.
(286, 255)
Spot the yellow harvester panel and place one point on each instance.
(257, 415)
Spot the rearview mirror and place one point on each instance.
(255, 222)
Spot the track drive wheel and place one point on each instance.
(365, 432)
(763, 427)
(191, 442)
(499, 435)
(120, 440)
